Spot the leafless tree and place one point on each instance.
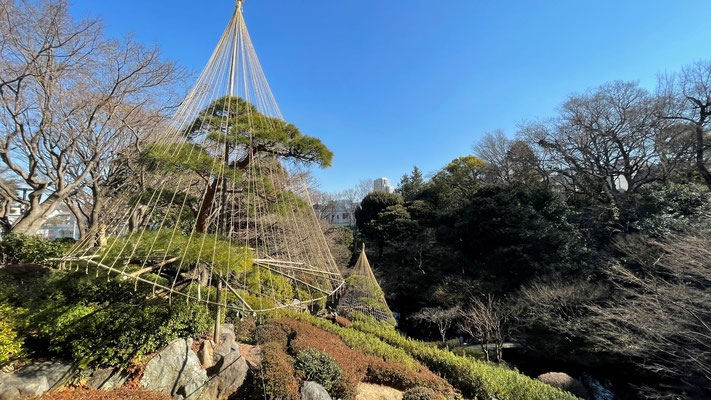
(662, 317)
(69, 97)
(493, 148)
(441, 317)
(508, 160)
(606, 143)
(488, 321)
(687, 100)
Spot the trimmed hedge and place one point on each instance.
(278, 373)
(297, 336)
(474, 378)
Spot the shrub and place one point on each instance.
(398, 376)
(278, 373)
(271, 333)
(420, 393)
(100, 321)
(363, 342)
(10, 341)
(356, 365)
(244, 329)
(474, 378)
(318, 367)
(343, 322)
(21, 249)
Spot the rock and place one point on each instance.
(175, 371)
(227, 340)
(314, 391)
(226, 377)
(107, 379)
(34, 379)
(206, 354)
(565, 382)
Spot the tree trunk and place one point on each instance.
(37, 214)
(206, 206)
(700, 162)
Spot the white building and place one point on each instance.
(338, 213)
(60, 224)
(383, 185)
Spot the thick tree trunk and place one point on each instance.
(37, 214)
(206, 206)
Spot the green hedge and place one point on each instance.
(474, 378)
(361, 341)
(21, 249)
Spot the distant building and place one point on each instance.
(383, 185)
(338, 213)
(60, 224)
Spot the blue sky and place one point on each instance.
(394, 83)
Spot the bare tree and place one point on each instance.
(68, 99)
(606, 143)
(493, 149)
(488, 321)
(662, 316)
(508, 160)
(442, 318)
(687, 100)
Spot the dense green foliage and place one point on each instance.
(10, 341)
(545, 243)
(22, 249)
(318, 367)
(100, 321)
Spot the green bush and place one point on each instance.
(318, 367)
(10, 341)
(21, 249)
(361, 341)
(100, 321)
(473, 378)
(116, 334)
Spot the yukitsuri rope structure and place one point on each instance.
(215, 210)
(362, 293)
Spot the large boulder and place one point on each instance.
(565, 382)
(229, 369)
(35, 379)
(107, 378)
(226, 377)
(175, 371)
(227, 340)
(314, 391)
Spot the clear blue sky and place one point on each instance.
(388, 84)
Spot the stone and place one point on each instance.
(226, 377)
(35, 379)
(227, 340)
(107, 379)
(565, 382)
(314, 391)
(206, 354)
(175, 371)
